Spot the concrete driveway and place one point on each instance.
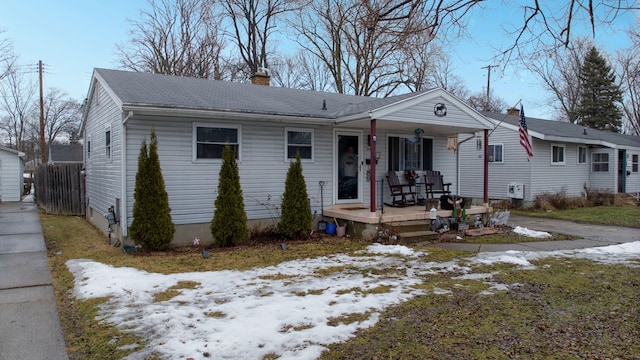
(29, 321)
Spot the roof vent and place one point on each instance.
(584, 131)
(324, 104)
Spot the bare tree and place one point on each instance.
(7, 56)
(253, 22)
(478, 101)
(286, 72)
(544, 25)
(17, 92)
(550, 24)
(175, 37)
(428, 66)
(629, 74)
(361, 46)
(61, 116)
(314, 74)
(559, 73)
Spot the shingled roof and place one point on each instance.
(164, 91)
(564, 131)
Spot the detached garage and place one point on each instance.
(11, 169)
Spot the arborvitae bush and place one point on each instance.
(295, 220)
(152, 227)
(229, 223)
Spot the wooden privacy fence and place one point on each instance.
(60, 189)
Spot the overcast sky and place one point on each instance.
(72, 37)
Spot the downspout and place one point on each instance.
(124, 222)
(372, 166)
(486, 168)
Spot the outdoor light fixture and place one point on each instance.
(378, 155)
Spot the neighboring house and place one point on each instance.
(11, 178)
(266, 126)
(566, 158)
(65, 154)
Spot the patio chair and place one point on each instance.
(401, 194)
(435, 185)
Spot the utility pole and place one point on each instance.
(43, 144)
(488, 67)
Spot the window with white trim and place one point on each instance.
(634, 162)
(298, 140)
(210, 140)
(496, 153)
(600, 162)
(557, 154)
(582, 154)
(107, 143)
(89, 148)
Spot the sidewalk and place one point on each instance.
(29, 321)
(591, 236)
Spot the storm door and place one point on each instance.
(349, 163)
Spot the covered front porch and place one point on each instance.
(417, 134)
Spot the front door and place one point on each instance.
(622, 171)
(349, 162)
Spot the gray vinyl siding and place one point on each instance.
(11, 179)
(514, 168)
(538, 174)
(103, 176)
(445, 161)
(192, 185)
(570, 178)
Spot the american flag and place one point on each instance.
(525, 139)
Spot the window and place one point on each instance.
(211, 140)
(410, 153)
(634, 163)
(600, 162)
(107, 143)
(89, 147)
(298, 140)
(582, 155)
(557, 154)
(496, 153)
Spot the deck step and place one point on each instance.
(417, 236)
(412, 231)
(409, 226)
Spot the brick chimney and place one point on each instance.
(513, 111)
(261, 77)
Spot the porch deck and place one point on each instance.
(360, 213)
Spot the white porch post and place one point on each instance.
(372, 167)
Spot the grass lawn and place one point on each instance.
(564, 308)
(628, 216)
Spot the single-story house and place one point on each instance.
(11, 178)
(194, 119)
(65, 154)
(566, 158)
